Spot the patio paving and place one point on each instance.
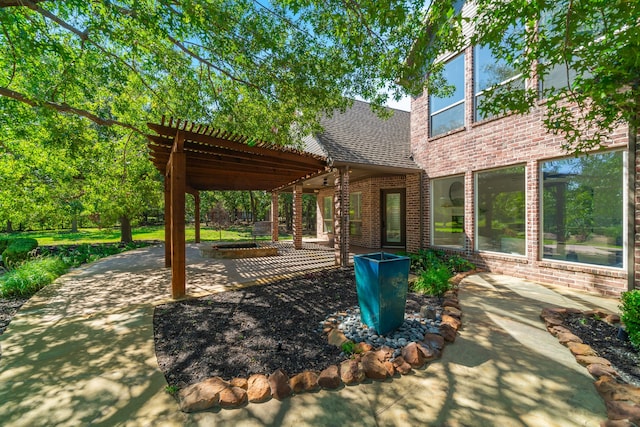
(81, 352)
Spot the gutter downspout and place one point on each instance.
(632, 209)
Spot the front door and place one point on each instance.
(393, 218)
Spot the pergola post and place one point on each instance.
(275, 222)
(167, 221)
(297, 216)
(177, 169)
(196, 213)
(341, 217)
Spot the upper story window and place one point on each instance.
(447, 113)
(493, 72)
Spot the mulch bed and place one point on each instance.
(257, 329)
(603, 338)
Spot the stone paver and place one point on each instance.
(81, 352)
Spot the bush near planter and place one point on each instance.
(434, 268)
(630, 309)
(18, 251)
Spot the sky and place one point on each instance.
(404, 104)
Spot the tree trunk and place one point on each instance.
(9, 227)
(252, 202)
(74, 225)
(125, 230)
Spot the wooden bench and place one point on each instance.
(261, 228)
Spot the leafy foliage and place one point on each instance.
(18, 250)
(434, 268)
(630, 309)
(29, 277)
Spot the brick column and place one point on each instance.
(413, 224)
(341, 217)
(297, 216)
(274, 216)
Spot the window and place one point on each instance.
(447, 211)
(500, 210)
(493, 72)
(447, 113)
(557, 78)
(327, 214)
(583, 210)
(355, 214)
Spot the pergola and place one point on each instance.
(194, 158)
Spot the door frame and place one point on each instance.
(383, 218)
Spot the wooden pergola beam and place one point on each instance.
(177, 175)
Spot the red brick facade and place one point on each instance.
(506, 141)
(370, 190)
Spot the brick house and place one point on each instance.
(503, 193)
(499, 191)
(371, 195)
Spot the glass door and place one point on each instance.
(393, 217)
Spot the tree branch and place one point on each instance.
(66, 108)
(18, 3)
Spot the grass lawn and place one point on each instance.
(109, 235)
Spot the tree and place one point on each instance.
(243, 66)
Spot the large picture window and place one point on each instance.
(447, 113)
(447, 211)
(327, 214)
(355, 214)
(582, 209)
(500, 210)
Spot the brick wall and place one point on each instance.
(371, 209)
(507, 141)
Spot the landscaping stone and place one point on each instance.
(451, 321)
(202, 395)
(279, 383)
(401, 365)
(580, 349)
(566, 337)
(351, 372)
(258, 388)
(305, 382)
(588, 360)
(239, 382)
(556, 330)
(447, 332)
(329, 378)
(413, 356)
(373, 368)
(391, 370)
(610, 389)
(232, 397)
(336, 338)
(599, 370)
(452, 311)
(434, 341)
(623, 411)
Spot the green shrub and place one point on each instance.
(5, 241)
(433, 281)
(630, 309)
(18, 251)
(26, 279)
(457, 264)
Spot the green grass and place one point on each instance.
(31, 276)
(111, 235)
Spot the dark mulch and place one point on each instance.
(257, 329)
(603, 338)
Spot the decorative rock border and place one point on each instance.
(622, 400)
(365, 363)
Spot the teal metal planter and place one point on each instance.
(382, 280)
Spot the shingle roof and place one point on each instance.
(359, 136)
